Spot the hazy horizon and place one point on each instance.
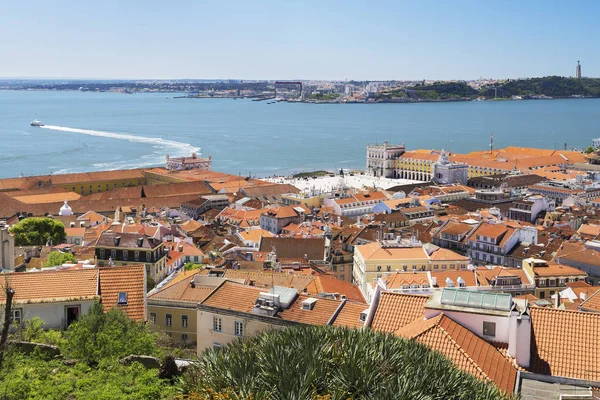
(311, 40)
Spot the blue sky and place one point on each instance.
(253, 39)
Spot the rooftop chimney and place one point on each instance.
(193, 283)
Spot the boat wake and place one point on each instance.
(177, 147)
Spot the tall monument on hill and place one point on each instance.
(578, 71)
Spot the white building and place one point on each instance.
(446, 172)
(186, 163)
(381, 159)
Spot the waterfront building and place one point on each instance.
(381, 159)
(187, 163)
(447, 172)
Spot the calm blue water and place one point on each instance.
(108, 130)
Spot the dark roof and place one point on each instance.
(410, 187)
(511, 180)
(127, 240)
(392, 217)
(471, 205)
(294, 248)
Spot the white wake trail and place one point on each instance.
(177, 148)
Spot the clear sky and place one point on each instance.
(322, 39)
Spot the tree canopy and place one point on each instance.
(58, 258)
(332, 363)
(38, 231)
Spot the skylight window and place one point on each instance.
(122, 298)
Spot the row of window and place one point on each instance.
(238, 326)
(136, 255)
(169, 320)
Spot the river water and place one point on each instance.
(97, 131)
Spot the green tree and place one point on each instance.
(38, 231)
(341, 363)
(99, 335)
(589, 150)
(58, 258)
(189, 266)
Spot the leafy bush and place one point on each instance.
(32, 377)
(98, 335)
(312, 362)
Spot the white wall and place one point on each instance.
(474, 322)
(53, 314)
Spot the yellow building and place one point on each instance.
(382, 258)
(102, 181)
(551, 279)
(173, 307)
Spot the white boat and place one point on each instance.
(36, 122)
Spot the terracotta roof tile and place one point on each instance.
(233, 296)
(329, 284)
(130, 279)
(397, 280)
(396, 310)
(323, 310)
(464, 348)
(183, 291)
(565, 343)
(349, 315)
(592, 303)
(52, 286)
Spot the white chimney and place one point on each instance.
(434, 280)
(519, 339)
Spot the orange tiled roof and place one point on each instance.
(395, 281)
(565, 343)
(233, 296)
(130, 279)
(322, 312)
(396, 310)
(485, 276)
(465, 349)
(254, 235)
(48, 198)
(442, 254)
(592, 303)
(558, 270)
(52, 286)
(349, 315)
(467, 275)
(374, 251)
(329, 284)
(183, 291)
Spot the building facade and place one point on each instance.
(381, 159)
(187, 163)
